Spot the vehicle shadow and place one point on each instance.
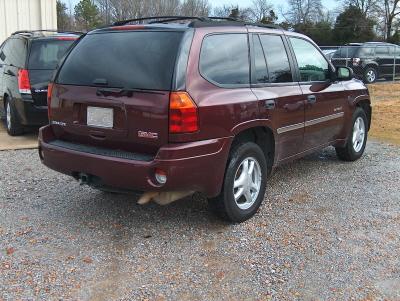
(97, 209)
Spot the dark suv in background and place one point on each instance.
(208, 106)
(27, 62)
(370, 61)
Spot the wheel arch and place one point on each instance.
(263, 136)
(365, 104)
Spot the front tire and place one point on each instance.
(370, 75)
(13, 125)
(357, 139)
(244, 184)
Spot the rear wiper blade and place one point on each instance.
(123, 91)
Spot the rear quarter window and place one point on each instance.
(133, 59)
(14, 52)
(45, 55)
(224, 59)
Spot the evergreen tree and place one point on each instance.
(87, 15)
(353, 26)
(63, 20)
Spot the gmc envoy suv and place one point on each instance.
(186, 104)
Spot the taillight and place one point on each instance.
(24, 84)
(49, 94)
(183, 113)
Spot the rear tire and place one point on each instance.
(244, 185)
(13, 125)
(357, 139)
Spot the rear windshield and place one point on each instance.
(136, 60)
(45, 55)
(347, 51)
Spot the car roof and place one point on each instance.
(45, 34)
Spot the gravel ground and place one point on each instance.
(328, 230)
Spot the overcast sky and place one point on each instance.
(330, 4)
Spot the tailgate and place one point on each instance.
(39, 80)
(139, 119)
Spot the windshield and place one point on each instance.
(134, 59)
(45, 55)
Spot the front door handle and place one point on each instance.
(311, 99)
(269, 104)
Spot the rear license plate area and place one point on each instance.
(100, 117)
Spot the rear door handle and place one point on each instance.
(311, 99)
(269, 104)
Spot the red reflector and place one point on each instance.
(49, 94)
(24, 84)
(66, 38)
(128, 27)
(183, 113)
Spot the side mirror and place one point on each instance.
(344, 73)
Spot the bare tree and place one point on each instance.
(391, 12)
(233, 11)
(260, 10)
(195, 8)
(303, 11)
(367, 7)
(112, 10)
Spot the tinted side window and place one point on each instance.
(15, 52)
(277, 59)
(382, 51)
(260, 66)
(312, 64)
(2, 55)
(367, 51)
(224, 59)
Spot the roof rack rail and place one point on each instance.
(224, 18)
(167, 18)
(46, 30)
(197, 21)
(269, 25)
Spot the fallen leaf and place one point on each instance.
(10, 250)
(220, 275)
(87, 259)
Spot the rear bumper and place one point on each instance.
(30, 114)
(197, 166)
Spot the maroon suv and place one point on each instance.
(208, 106)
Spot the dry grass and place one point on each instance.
(385, 112)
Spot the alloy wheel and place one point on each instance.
(8, 115)
(247, 183)
(358, 134)
(371, 76)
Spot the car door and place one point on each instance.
(280, 98)
(384, 60)
(325, 100)
(397, 60)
